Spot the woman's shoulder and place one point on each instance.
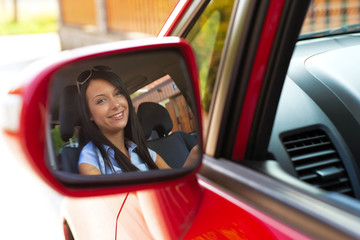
(89, 155)
(88, 149)
(88, 146)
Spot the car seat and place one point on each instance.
(69, 118)
(174, 148)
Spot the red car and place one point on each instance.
(273, 108)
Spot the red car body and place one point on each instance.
(225, 197)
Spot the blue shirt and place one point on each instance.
(90, 154)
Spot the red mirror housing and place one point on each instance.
(26, 124)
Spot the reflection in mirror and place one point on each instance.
(123, 113)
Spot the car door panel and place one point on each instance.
(130, 223)
(98, 212)
(291, 207)
(223, 216)
(161, 213)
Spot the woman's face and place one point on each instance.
(108, 107)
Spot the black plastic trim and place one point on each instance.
(240, 78)
(284, 43)
(77, 181)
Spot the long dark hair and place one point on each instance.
(132, 131)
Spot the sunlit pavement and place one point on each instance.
(28, 208)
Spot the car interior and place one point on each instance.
(174, 147)
(69, 120)
(316, 129)
(154, 86)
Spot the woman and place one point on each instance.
(116, 143)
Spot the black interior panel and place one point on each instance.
(322, 94)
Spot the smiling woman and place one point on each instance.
(97, 120)
(112, 127)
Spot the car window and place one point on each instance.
(207, 38)
(165, 92)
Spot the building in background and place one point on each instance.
(325, 14)
(86, 22)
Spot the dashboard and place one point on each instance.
(316, 130)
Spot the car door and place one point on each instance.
(234, 42)
(168, 212)
(242, 68)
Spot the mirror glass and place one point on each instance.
(123, 112)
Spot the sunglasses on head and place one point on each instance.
(86, 75)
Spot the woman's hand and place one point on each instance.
(160, 162)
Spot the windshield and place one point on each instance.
(331, 17)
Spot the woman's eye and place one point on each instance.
(99, 101)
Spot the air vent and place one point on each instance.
(317, 162)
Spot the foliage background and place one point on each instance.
(28, 17)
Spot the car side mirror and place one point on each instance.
(45, 115)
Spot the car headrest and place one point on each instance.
(154, 117)
(69, 112)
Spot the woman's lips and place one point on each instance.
(117, 115)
